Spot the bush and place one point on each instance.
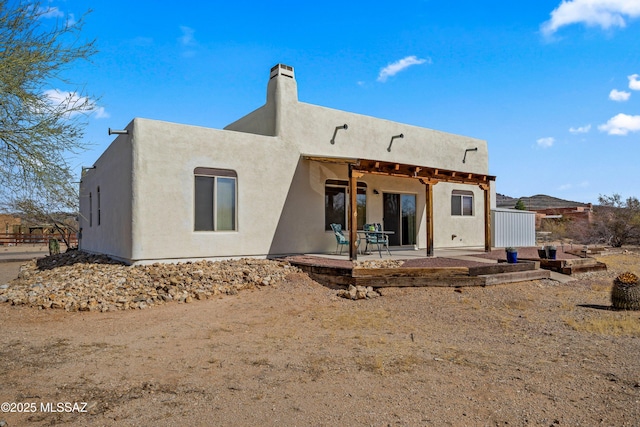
(616, 222)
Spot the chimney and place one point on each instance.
(282, 95)
(282, 70)
(282, 88)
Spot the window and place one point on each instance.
(215, 199)
(461, 203)
(98, 193)
(336, 203)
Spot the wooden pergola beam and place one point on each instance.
(427, 175)
(429, 213)
(486, 188)
(353, 213)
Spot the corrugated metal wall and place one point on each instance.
(511, 227)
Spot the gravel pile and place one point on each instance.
(76, 281)
(385, 263)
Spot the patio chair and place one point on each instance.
(376, 237)
(341, 239)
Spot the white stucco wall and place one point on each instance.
(167, 155)
(468, 230)
(147, 181)
(113, 173)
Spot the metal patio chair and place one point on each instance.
(341, 239)
(375, 236)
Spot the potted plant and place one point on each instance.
(542, 253)
(551, 252)
(512, 255)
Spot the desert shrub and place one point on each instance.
(556, 226)
(520, 205)
(616, 222)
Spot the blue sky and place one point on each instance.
(552, 85)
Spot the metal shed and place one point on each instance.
(512, 227)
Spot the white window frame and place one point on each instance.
(459, 196)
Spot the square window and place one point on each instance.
(461, 203)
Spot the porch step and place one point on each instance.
(341, 275)
(414, 276)
(503, 267)
(515, 276)
(583, 268)
(570, 266)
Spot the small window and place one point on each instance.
(215, 199)
(336, 203)
(461, 203)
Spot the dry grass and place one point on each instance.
(357, 319)
(619, 263)
(627, 324)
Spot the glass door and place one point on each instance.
(400, 217)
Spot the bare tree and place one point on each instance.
(616, 221)
(39, 126)
(55, 207)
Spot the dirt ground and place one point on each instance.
(533, 353)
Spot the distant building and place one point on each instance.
(10, 223)
(550, 208)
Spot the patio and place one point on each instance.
(448, 268)
(398, 254)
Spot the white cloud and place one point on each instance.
(580, 129)
(634, 83)
(71, 20)
(71, 100)
(619, 95)
(187, 38)
(601, 13)
(50, 12)
(187, 41)
(569, 186)
(54, 12)
(101, 113)
(565, 187)
(546, 142)
(621, 124)
(396, 67)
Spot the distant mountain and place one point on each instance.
(539, 201)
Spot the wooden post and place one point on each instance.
(429, 212)
(353, 214)
(487, 217)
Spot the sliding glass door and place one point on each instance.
(400, 217)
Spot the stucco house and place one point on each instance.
(270, 184)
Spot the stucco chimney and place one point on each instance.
(282, 70)
(282, 86)
(282, 95)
